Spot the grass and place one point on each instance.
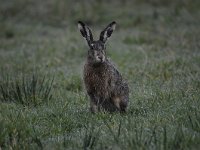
(43, 104)
(28, 92)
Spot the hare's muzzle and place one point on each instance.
(99, 56)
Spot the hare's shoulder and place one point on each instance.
(113, 69)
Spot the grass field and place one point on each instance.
(156, 47)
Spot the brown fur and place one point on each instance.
(105, 87)
(104, 84)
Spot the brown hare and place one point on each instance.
(103, 82)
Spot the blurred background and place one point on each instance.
(46, 31)
(62, 13)
(43, 35)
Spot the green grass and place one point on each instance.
(43, 104)
(27, 91)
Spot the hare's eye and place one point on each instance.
(92, 46)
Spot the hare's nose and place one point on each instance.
(100, 57)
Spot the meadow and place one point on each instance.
(156, 47)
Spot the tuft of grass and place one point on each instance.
(28, 91)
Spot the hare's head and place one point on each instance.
(96, 52)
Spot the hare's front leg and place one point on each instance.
(93, 107)
(93, 103)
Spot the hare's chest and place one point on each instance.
(97, 82)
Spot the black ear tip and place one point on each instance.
(80, 22)
(114, 22)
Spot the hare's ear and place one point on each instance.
(85, 31)
(106, 33)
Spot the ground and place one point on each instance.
(156, 47)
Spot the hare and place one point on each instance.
(103, 82)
